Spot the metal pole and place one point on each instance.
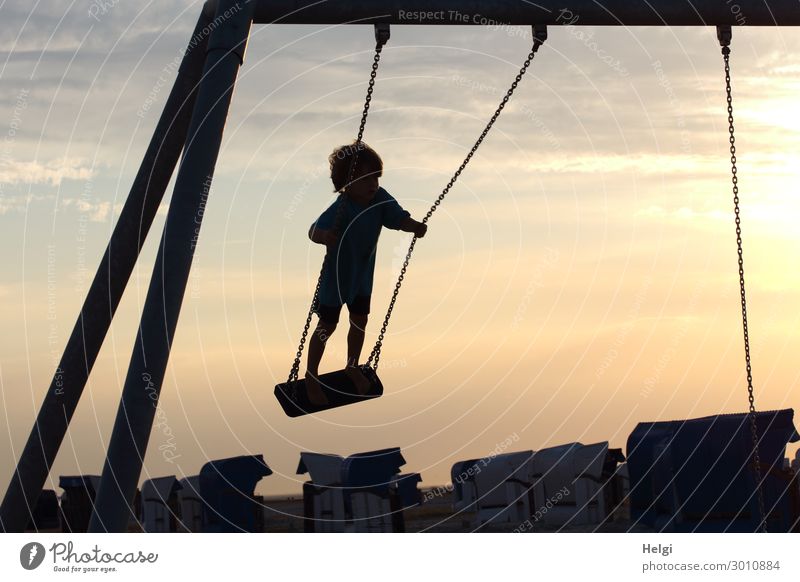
(106, 290)
(140, 395)
(524, 12)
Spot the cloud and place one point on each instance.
(684, 213)
(93, 210)
(65, 25)
(789, 70)
(52, 172)
(19, 203)
(97, 211)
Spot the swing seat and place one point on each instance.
(337, 387)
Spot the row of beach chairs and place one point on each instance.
(687, 475)
(219, 499)
(692, 475)
(364, 492)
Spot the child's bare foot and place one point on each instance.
(358, 379)
(314, 391)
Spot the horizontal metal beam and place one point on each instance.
(524, 12)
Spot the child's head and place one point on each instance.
(368, 164)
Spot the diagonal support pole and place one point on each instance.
(106, 290)
(134, 421)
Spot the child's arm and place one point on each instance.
(322, 236)
(410, 225)
(395, 217)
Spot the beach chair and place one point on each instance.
(589, 480)
(191, 504)
(497, 488)
(77, 501)
(160, 505)
(555, 491)
(697, 474)
(323, 496)
(364, 492)
(374, 487)
(226, 489)
(597, 484)
(45, 516)
(576, 484)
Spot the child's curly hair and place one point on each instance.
(342, 158)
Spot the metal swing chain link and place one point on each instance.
(295, 371)
(540, 35)
(724, 36)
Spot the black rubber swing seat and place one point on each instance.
(337, 387)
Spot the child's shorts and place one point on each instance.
(330, 313)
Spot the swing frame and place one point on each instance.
(498, 13)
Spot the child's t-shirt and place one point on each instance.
(350, 268)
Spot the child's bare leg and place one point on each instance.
(316, 347)
(355, 341)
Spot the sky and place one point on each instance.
(581, 276)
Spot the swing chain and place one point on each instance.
(724, 36)
(381, 37)
(539, 36)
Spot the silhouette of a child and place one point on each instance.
(348, 275)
